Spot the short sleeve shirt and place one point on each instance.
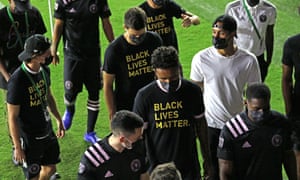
(9, 43)
(170, 120)
(32, 102)
(291, 58)
(81, 21)
(101, 161)
(257, 151)
(161, 21)
(131, 65)
(223, 89)
(263, 15)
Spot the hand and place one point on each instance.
(55, 60)
(19, 155)
(186, 20)
(60, 133)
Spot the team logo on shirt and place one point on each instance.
(93, 8)
(135, 165)
(276, 140)
(263, 18)
(34, 169)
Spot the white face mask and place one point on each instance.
(128, 144)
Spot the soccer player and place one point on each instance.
(256, 143)
(173, 111)
(120, 155)
(29, 101)
(160, 15)
(291, 87)
(223, 71)
(19, 20)
(127, 65)
(78, 23)
(255, 29)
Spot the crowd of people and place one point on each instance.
(156, 116)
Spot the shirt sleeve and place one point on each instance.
(196, 73)
(287, 53)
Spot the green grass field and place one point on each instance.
(191, 40)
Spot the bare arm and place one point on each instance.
(53, 109)
(226, 168)
(287, 87)
(108, 81)
(189, 19)
(3, 71)
(297, 155)
(289, 163)
(145, 176)
(56, 36)
(269, 43)
(13, 114)
(108, 30)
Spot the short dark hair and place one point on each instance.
(165, 171)
(229, 23)
(125, 121)
(165, 57)
(135, 18)
(258, 91)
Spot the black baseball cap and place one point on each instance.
(35, 44)
(229, 23)
(23, 5)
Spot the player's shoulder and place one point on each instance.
(237, 126)
(99, 153)
(154, 35)
(245, 54)
(144, 5)
(233, 4)
(268, 4)
(147, 89)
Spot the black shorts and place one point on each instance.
(40, 151)
(81, 68)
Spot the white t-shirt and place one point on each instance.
(224, 79)
(263, 15)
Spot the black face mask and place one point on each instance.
(219, 43)
(159, 2)
(137, 40)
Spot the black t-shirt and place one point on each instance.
(169, 119)
(291, 58)
(81, 22)
(131, 65)
(161, 21)
(101, 161)
(8, 36)
(22, 92)
(257, 151)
